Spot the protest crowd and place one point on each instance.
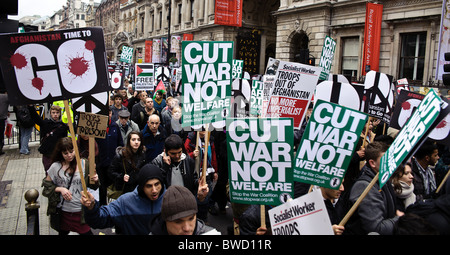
(146, 180)
(152, 169)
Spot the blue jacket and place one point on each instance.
(131, 213)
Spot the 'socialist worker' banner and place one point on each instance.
(292, 91)
(327, 145)
(428, 114)
(206, 76)
(228, 12)
(372, 37)
(50, 66)
(260, 159)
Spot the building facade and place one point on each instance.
(283, 29)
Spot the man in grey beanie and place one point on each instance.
(179, 215)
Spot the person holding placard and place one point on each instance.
(63, 188)
(51, 130)
(127, 162)
(335, 207)
(378, 211)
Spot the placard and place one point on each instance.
(127, 54)
(259, 160)
(144, 77)
(306, 215)
(92, 125)
(206, 76)
(44, 67)
(292, 91)
(430, 112)
(328, 49)
(327, 144)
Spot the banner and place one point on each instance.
(292, 91)
(206, 79)
(148, 51)
(144, 76)
(306, 215)
(372, 35)
(117, 78)
(164, 49)
(156, 54)
(430, 112)
(127, 54)
(43, 67)
(380, 94)
(260, 159)
(444, 39)
(329, 47)
(228, 13)
(188, 37)
(327, 144)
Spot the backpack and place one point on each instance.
(24, 117)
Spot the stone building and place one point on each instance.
(285, 29)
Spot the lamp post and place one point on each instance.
(168, 33)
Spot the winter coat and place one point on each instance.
(116, 170)
(154, 144)
(50, 131)
(377, 211)
(131, 127)
(132, 212)
(187, 168)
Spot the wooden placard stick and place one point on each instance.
(366, 132)
(197, 159)
(356, 204)
(263, 216)
(205, 155)
(442, 182)
(75, 145)
(91, 158)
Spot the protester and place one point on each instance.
(174, 126)
(377, 212)
(154, 135)
(26, 124)
(177, 167)
(402, 182)
(107, 151)
(4, 103)
(138, 112)
(51, 130)
(335, 207)
(126, 125)
(62, 186)
(158, 101)
(117, 107)
(127, 162)
(424, 180)
(133, 211)
(178, 213)
(123, 92)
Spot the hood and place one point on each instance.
(148, 172)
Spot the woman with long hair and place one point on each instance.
(402, 182)
(127, 162)
(64, 182)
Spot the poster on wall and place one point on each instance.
(156, 54)
(50, 66)
(148, 51)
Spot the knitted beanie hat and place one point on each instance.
(178, 202)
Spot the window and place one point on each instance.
(153, 21)
(350, 57)
(160, 19)
(192, 9)
(179, 14)
(412, 56)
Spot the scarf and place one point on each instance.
(407, 193)
(158, 101)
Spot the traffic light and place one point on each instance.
(311, 60)
(446, 75)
